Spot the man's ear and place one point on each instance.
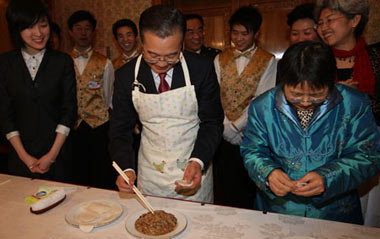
(71, 33)
(257, 34)
(355, 21)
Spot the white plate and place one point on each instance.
(106, 216)
(181, 224)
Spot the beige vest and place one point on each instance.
(237, 91)
(122, 59)
(90, 93)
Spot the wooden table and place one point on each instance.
(204, 221)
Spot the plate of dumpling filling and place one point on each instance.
(95, 213)
(164, 223)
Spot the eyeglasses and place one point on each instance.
(311, 100)
(329, 21)
(170, 59)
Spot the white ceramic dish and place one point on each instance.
(181, 224)
(106, 212)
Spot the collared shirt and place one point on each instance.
(242, 61)
(131, 56)
(108, 76)
(33, 63)
(168, 78)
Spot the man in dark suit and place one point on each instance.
(194, 37)
(175, 95)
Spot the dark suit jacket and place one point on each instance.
(209, 51)
(210, 112)
(35, 108)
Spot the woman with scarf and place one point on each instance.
(340, 25)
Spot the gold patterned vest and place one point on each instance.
(237, 91)
(92, 106)
(123, 59)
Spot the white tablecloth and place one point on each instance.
(204, 221)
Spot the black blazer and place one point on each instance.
(35, 108)
(210, 112)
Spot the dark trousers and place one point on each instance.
(233, 187)
(92, 165)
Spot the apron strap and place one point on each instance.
(185, 69)
(136, 83)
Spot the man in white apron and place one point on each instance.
(176, 98)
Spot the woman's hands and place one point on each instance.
(311, 184)
(315, 185)
(280, 183)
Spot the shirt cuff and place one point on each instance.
(12, 134)
(198, 161)
(63, 130)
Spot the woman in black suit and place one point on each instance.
(37, 95)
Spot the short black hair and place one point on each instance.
(162, 20)
(249, 17)
(22, 15)
(56, 29)
(124, 23)
(310, 61)
(302, 11)
(194, 16)
(79, 16)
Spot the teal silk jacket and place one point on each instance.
(340, 143)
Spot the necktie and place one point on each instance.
(164, 86)
(82, 54)
(246, 54)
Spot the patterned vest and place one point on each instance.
(122, 59)
(237, 91)
(91, 102)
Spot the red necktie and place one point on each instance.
(164, 86)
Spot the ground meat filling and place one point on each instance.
(155, 224)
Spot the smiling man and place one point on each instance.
(175, 96)
(95, 77)
(194, 37)
(244, 72)
(125, 33)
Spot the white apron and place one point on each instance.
(170, 125)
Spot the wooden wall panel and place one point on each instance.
(5, 41)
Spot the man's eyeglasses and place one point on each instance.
(170, 59)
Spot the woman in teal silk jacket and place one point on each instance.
(310, 143)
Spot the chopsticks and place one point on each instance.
(135, 189)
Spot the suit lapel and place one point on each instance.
(25, 75)
(42, 66)
(178, 79)
(145, 77)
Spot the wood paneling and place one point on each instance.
(215, 15)
(5, 41)
(274, 30)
